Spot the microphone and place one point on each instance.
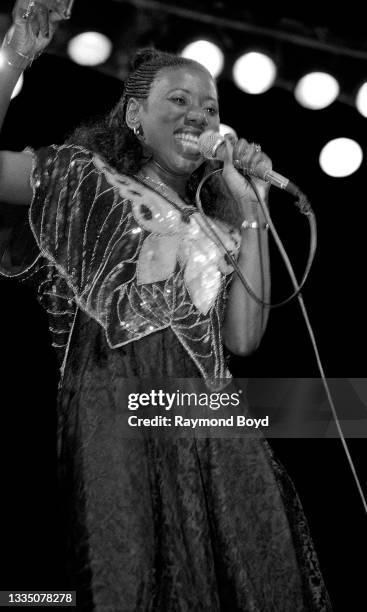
(210, 142)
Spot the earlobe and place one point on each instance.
(138, 131)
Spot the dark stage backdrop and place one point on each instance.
(57, 96)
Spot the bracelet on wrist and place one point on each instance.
(254, 225)
(15, 59)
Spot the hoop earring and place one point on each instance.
(138, 131)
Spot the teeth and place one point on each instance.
(188, 138)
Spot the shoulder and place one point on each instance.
(65, 153)
(56, 161)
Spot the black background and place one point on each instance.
(56, 96)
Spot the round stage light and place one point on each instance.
(254, 72)
(361, 100)
(90, 48)
(316, 90)
(18, 87)
(341, 157)
(206, 53)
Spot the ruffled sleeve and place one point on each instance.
(45, 230)
(45, 245)
(71, 223)
(68, 205)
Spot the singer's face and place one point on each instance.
(182, 103)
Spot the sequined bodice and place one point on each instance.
(129, 258)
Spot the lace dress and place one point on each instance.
(134, 290)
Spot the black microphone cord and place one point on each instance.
(306, 209)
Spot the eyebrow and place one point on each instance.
(189, 92)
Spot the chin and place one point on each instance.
(180, 164)
(189, 165)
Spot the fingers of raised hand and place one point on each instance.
(28, 8)
(23, 9)
(39, 20)
(34, 14)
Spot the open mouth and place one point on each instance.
(188, 142)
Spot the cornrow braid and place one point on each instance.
(144, 68)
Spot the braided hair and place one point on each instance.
(123, 150)
(145, 67)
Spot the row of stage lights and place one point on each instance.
(254, 73)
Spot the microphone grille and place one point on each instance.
(208, 143)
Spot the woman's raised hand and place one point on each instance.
(34, 24)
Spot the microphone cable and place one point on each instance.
(305, 208)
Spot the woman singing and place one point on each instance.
(136, 288)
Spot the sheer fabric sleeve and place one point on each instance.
(67, 210)
(45, 245)
(71, 222)
(31, 237)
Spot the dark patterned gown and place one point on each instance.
(134, 289)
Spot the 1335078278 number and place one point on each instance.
(38, 598)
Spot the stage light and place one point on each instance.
(254, 72)
(206, 53)
(18, 87)
(90, 48)
(316, 90)
(341, 157)
(361, 100)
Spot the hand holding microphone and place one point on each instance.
(237, 155)
(246, 158)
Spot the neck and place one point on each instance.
(176, 181)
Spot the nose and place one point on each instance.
(197, 117)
